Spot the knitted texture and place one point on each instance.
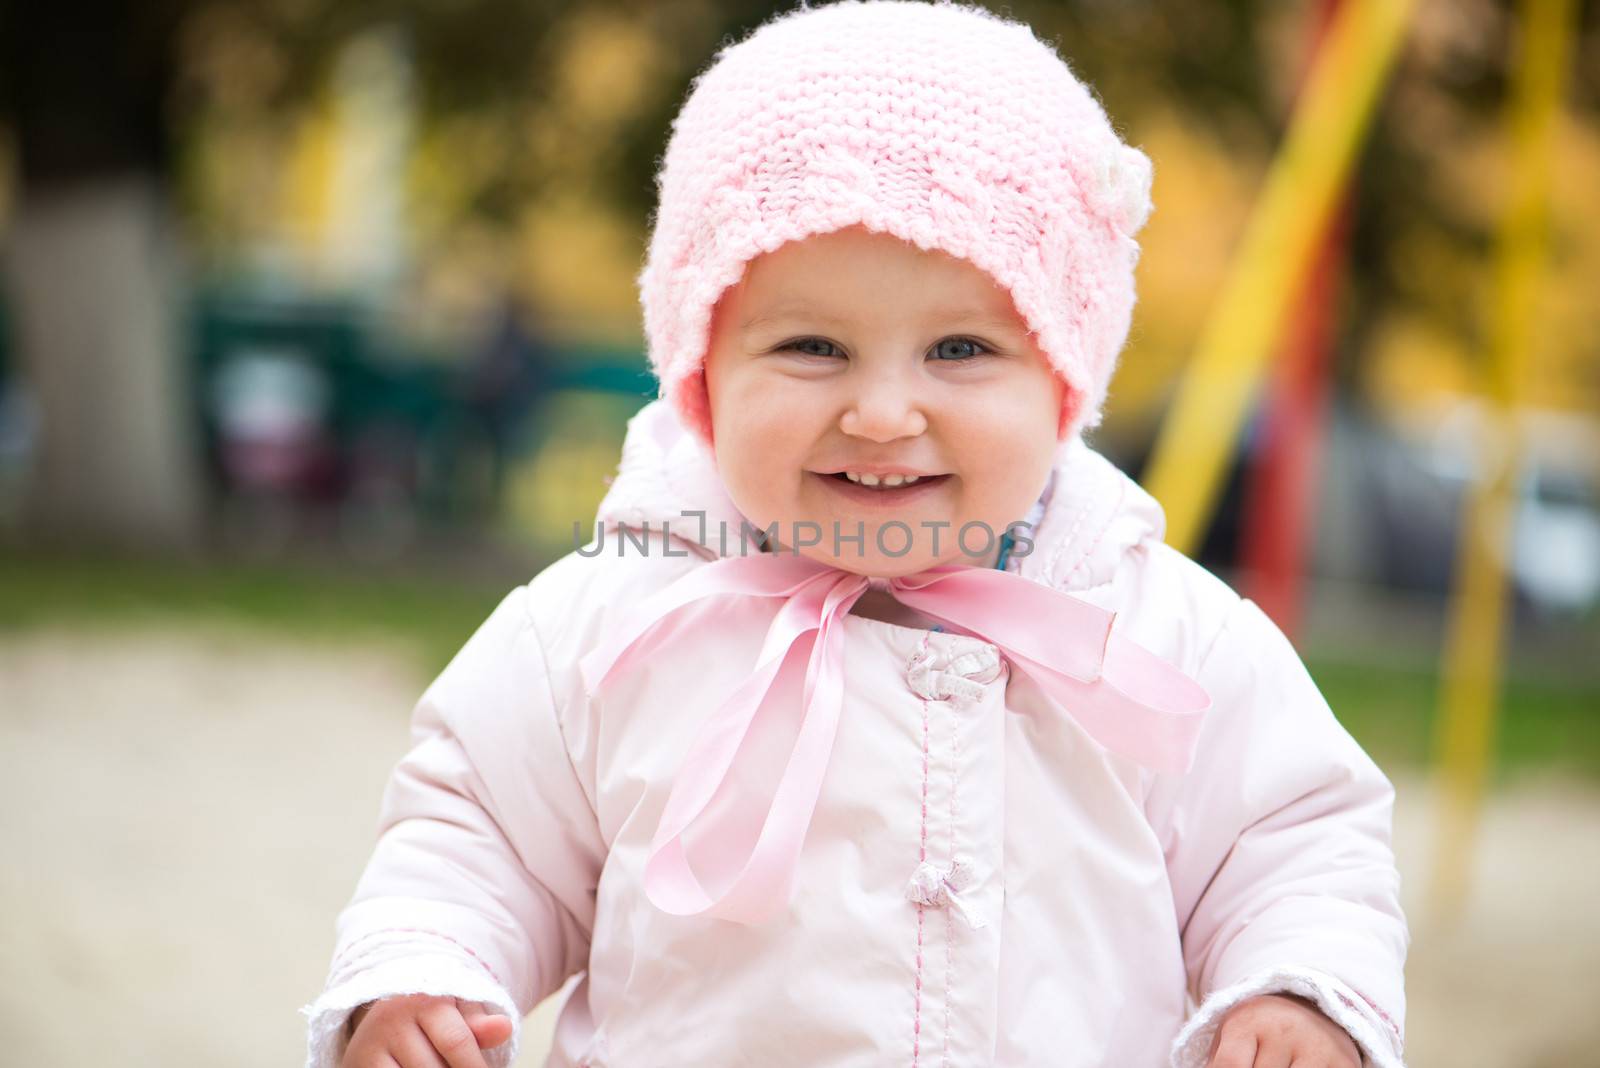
(944, 125)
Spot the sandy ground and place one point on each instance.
(184, 812)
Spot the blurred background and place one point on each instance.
(318, 330)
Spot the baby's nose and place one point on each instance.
(883, 412)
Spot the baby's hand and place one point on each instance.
(1281, 1031)
(418, 1030)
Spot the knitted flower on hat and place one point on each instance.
(944, 125)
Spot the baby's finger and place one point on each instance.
(413, 1049)
(490, 1028)
(450, 1035)
(1235, 1048)
(1273, 1055)
(375, 1058)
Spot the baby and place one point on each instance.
(877, 724)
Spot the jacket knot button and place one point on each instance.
(954, 674)
(938, 887)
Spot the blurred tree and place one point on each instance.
(92, 93)
(90, 272)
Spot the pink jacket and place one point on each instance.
(981, 883)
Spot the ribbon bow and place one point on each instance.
(1125, 697)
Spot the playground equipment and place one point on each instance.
(1280, 246)
(1473, 655)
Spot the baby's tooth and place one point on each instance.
(887, 481)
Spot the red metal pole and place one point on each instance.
(1279, 502)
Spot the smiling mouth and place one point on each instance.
(883, 481)
(876, 487)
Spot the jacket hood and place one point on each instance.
(1088, 518)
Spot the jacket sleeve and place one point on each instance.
(482, 882)
(1278, 849)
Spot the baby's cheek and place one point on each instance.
(1005, 491)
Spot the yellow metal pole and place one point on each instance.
(1334, 109)
(1471, 675)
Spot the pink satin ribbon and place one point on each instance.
(1128, 699)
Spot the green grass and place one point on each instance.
(1390, 710)
(429, 614)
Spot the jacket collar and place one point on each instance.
(1089, 516)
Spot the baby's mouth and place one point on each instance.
(885, 482)
(862, 486)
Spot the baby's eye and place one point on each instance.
(948, 350)
(951, 349)
(806, 346)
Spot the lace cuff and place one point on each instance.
(390, 964)
(1375, 1034)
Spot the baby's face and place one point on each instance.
(856, 352)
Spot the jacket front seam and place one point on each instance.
(949, 917)
(922, 857)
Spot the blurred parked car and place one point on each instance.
(1418, 474)
(309, 418)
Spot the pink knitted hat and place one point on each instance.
(942, 124)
